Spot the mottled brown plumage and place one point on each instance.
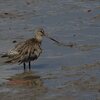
(29, 50)
(26, 51)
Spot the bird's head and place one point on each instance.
(40, 33)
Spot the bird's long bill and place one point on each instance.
(60, 43)
(52, 39)
(57, 42)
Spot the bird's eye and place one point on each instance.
(42, 31)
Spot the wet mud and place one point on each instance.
(62, 72)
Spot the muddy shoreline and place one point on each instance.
(60, 72)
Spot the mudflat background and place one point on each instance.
(61, 73)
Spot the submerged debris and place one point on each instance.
(14, 41)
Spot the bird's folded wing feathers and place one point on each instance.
(27, 49)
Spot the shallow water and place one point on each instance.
(60, 72)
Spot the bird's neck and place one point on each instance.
(38, 38)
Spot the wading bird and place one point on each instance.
(26, 51)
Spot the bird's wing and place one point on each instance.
(27, 50)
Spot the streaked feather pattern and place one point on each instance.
(27, 51)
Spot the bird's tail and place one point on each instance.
(8, 61)
(4, 55)
(4, 59)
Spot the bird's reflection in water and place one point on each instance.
(26, 79)
(26, 86)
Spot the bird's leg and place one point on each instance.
(24, 67)
(29, 65)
